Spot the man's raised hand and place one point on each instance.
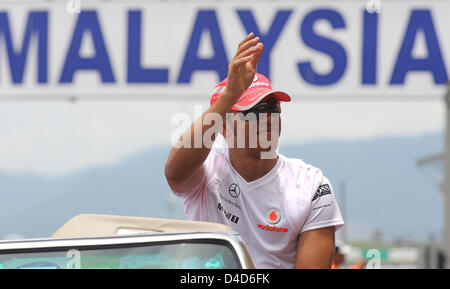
(242, 67)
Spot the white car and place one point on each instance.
(119, 242)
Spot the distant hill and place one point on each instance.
(385, 190)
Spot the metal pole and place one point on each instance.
(446, 191)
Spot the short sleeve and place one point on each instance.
(324, 209)
(195, 190)
(210, 167)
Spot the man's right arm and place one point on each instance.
(184, 168)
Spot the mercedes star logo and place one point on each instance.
(234, 190)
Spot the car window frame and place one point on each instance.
(229, 239)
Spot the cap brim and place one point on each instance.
(249, 100)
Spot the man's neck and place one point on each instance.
(250, 166)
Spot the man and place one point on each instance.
(341, 249)
(283, 208)
(340, 252)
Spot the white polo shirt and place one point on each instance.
(269, 212)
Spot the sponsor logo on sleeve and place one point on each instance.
(322, 191)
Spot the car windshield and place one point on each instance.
(161, 256)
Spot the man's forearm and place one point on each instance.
(189, 154)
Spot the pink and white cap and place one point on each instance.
(257, 91)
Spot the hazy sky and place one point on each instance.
(54, 138)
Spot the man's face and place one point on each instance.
(256, 129)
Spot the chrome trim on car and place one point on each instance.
(232, 238)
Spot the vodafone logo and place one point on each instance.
(273, 217)
(272, 228)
